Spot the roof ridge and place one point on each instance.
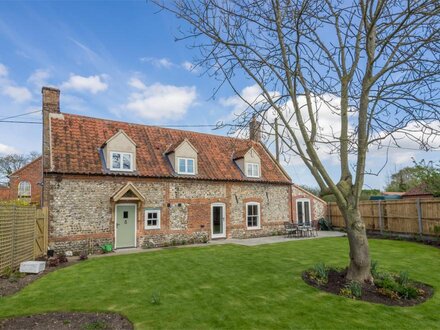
(156, 126)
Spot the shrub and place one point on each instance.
(62, 258)
(53, 262)
(408, 292)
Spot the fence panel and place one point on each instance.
(401, 216)
(23, 234)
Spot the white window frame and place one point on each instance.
(251, 173)
(19, 189)
(186, 159)
(122, 163)
(303, 200)
(157, 211)
(258, 216)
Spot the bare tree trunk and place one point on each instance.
(359, 268)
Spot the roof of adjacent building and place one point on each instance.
(420, 190)
(36, 160)
(76, 143)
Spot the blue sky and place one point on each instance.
(118, 60)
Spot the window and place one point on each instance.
(152, 219)
(253, 170)
(24, 189)
(303, 211)
(121, 161)
(185, 166)
(253, 215)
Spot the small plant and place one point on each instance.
(403, 278)
(346, 292)
(155, 298)
(62, 258)
(83, 256)
(388, 293)
(355, 288)
(95, 325)
(375, 268)
(53, 262)
(319, 273)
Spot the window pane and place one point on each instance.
(190, 164)
(182, 167)
(116, 161)
(126, 161)
(299, 211)
(306, 213)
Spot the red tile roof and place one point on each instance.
(76, 142)
(420, 190)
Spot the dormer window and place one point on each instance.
(186, 166)
(253, 170)
(121, 161)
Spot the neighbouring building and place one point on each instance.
(25, 183)
(133, 185)
(420, 191)
(307, 207)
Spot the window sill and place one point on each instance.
(253, 228)
(152, 228)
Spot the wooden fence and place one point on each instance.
(408, 216)
(23, 234)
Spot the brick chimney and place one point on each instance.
(50, 105)
(255, 130)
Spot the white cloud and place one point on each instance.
(39, 77)
(4, 149)
(158, 101)
(188, 66)
(18, 94)
(3, 70)
(92, 84)
(158, 62)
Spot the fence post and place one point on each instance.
(14, 230)
(419, 216)
(380, 217)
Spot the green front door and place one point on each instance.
(125, 226)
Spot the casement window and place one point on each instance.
(24, 189)
(253, 170)
(152, 219)
(253, 215)
(121, 161)
(185, 166)
(303, 211)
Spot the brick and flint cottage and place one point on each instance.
(133, 185)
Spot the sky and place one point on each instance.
(119, 60)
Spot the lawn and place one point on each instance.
(234, 287)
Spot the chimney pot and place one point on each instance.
(51, 99)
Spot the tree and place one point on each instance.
(12, 162)
(428, 173)
(372, 65)
(403, 180)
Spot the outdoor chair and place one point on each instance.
(290, 229)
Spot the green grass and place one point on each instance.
(233, 287)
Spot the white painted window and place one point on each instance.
(24, 189)
(253, 170)
(152, 219)
(253, 215)
(121, 161)
(303, 211)
(185, 166)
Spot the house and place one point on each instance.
(25, 183)
(134, 185)
(420, 191)
(306, 207)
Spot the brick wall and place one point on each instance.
(32, 172)
(4, 193)
(81, 211)
(318, 206)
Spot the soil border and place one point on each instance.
(337, 281)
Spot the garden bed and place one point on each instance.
(65, 320)
(387, 289)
